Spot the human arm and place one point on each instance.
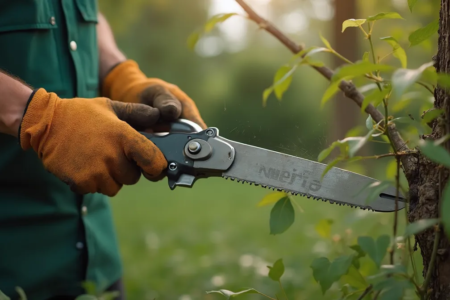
(90, 144)
(14, 96)
(121, 79)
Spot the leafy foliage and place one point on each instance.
(230, 294)
(326, 273)
(419, 226)
(435, 152)
(376, 250)
(352, 23)
(282, 216)
(402, 79)
(385, 15)
(398, 51)
(277, 270)
(424, 33)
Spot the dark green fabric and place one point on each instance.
(48, 246)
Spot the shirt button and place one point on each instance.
(84, 210)
(73, 45)
(52, 20)
(79, 245)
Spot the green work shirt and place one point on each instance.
(51, 239)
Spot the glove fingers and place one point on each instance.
(138, 116)
(146, 155)
(160, 98)
(190, 110)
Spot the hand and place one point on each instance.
(89, 143)
(127, 83)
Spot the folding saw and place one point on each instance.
(193, 153)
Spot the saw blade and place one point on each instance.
(304, 177)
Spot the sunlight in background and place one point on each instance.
(234, 32)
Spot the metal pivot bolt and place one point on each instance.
(172, 166)
(209, 132)
(194, 147)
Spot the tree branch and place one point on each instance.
(347, 87)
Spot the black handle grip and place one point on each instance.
(172, 145)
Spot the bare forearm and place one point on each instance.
(109, 53)
(13, 100)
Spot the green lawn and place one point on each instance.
(179, 244)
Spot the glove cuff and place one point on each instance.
(36, 120)
(121, 82)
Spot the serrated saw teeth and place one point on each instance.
(299, 194)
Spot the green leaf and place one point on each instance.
(445, 209)
(277, 270)
(325, 42)
(354, 278)
(110, 295)
(21, 293)
(192, 40)
(376, 97)
(230, 294)
(266, 95)
(358, 250)
(392, 288)
(424, 33)
(444, 80)
(282, 216)
(435, 153)
(272, 198)
(323, 228)
(402, 79)
(356, 143)
(419, 226)
(375, 250)
(331, 165)
(326, 273)
(366, 57)
(214, 20)
(3, 296)
(431, 115)
(369, 122)
(89, 287)
(399, 52)
(86, 297)
(375, 189)
(330, 92)
(282, 80)
(352, 23)
(384, 15)
(358, 69)
(411, 4)
(317, 50)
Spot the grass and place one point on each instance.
(179, 244)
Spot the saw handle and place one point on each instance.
(191, 152)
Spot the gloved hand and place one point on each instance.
(126, 83)
(89, 143)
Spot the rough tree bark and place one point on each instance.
(428, 181)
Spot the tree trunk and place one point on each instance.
(428, 181)
(345, 113)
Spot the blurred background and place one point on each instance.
(180, 244)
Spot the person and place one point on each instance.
(70, 107)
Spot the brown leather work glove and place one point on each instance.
(89, 143)
(127, 83)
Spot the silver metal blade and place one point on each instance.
(301, 176)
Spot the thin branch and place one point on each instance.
(432, 260)
(282, 289)
(437, 236)
(397, 185)
(366, 291)
(347, 87)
